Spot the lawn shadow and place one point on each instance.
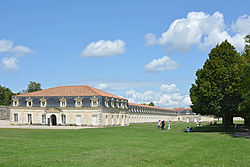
(219, 128)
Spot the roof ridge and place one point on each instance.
(93, 90)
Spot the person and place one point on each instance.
(197, 123)
(163, 125)
(169, 125)
(159, 124)
(187, 130)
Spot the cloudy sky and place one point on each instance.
(141, 50)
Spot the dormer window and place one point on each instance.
(112, 103)
(78, 102)
(43, 102)
(106, 101)
(122, 105)
(94, 102)
(117, 103)
(15, 102)
(126, 104)
(63, 102)
(29, 102)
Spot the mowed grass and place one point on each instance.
(136, 145)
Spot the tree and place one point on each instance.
(151, 104)
(215, 91)
(5, 96)
(33, 86)
(244, 86)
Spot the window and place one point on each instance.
(106, 102)
(78, 102)
(29, 102)
(63, 102)
(29, 118)
(43, 104)
(44, 119)
(94, 103)
(15, 103)
(63, 119)
(15, 117)
(122, 106)
(117, 104)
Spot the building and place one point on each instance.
(85, 106)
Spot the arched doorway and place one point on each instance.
(53, 119)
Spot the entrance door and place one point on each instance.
(94, 120)
(78, 120)
(195, 119)
(187, 119)
(53, 120)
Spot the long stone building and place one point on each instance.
(87, 106)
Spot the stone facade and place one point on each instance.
(4, 112)
(102, 109)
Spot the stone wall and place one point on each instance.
(4, 112)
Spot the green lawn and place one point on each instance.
(136, 145)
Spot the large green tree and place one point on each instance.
(215, 91)
(5, 96)
(244, 86)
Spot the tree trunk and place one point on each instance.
(231, 120)
(247, 121)
(226, 121)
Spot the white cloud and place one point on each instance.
(150, 39)
(161, 64)
(169, 88)
(5, 45)
(202, 30)
(242, 25)
(104, 48)
(9, 63)
(168, 96)
(102, 86)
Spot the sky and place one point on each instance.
(143, 50)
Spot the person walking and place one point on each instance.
(169, 125)
(163, 125)
(159, 124)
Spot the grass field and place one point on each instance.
(136, 145)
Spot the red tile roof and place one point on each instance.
(169, 109)
(79, 90)
(141, 105)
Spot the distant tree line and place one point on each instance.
(6, 94)
(222, 86)
(150, 104)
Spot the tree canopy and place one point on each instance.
(244, 87)
(151, 104)
(5, 96)
(33, 86)
(215, 91)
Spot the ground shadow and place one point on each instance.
(234, 132)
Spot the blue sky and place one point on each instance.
(141, 50)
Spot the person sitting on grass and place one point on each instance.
(187, 130)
